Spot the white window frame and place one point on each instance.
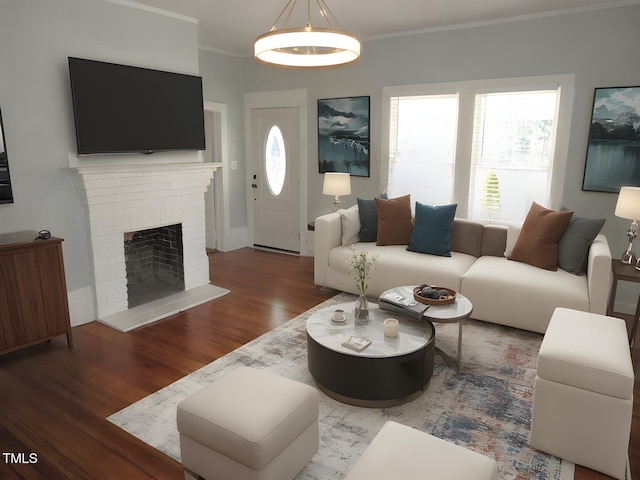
(466, 92)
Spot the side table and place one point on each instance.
(626, 273)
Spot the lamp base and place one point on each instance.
(628, 258)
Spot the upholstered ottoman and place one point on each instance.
(249, 425)
(583, 397)
(402, 452)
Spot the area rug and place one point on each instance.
(485, 408)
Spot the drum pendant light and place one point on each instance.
(308, 46)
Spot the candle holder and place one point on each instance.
(391, 327)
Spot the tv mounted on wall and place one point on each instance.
(126, 109)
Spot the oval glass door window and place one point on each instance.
(275, 159)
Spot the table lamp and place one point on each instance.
(337, 184)
(628, 207)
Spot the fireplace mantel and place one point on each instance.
(133, 169)
(122, 198)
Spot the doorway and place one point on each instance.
(275, 167)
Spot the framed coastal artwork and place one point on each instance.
(613, 150)
(343, 135)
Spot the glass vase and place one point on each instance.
(362, 309)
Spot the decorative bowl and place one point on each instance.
(435, 301)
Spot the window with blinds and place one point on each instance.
(511, 155)
(489, 146)
(422, 142)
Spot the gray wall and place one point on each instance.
(599, 47)
(222, 83)
(36, 37)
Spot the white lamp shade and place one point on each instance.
(628, 205)
(336, 183)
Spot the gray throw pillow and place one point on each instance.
(573, 246)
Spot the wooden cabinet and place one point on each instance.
(33, 291)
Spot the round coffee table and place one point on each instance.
(390, 371)
(456, 312)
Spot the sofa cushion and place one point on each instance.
(394, 220)
(573, 246)
(537, 243)
(519, 295)
(494, 240)
(350, 220)
(396, 266)
(432, 229)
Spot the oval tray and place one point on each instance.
(433, 301)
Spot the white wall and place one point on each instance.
(36, 37)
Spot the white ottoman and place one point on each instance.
(583, 398)
(402, 452)
(249, 425)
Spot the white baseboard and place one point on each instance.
(82, 306)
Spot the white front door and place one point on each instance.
(275, 178)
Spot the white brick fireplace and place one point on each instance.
(127, 198)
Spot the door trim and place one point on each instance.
(276, 99)
(220, 177)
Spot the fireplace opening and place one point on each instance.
(154, 263)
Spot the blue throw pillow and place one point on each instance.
(432, 229)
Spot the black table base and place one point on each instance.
(371, 382)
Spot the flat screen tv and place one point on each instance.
(126, 109)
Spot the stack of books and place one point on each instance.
(394, 301)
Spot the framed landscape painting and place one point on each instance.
(6, 194)
(343, 135)
(613, 151)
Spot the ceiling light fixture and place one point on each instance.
(307, 46)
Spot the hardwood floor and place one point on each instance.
(54, 401)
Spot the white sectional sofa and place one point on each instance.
(502, 291)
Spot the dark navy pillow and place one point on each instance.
(368, 219)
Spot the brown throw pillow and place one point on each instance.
(538, 241)
(394, 220)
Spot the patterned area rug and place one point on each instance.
(486, 407)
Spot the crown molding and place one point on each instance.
(519, 18)
(159, 11)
